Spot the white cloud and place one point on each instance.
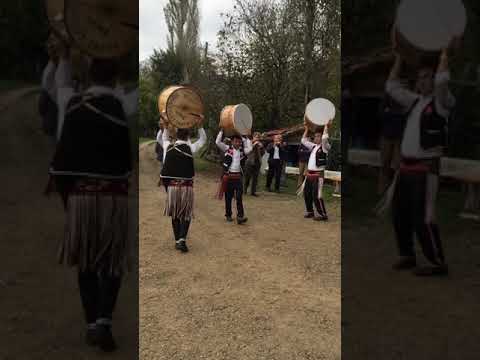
(153, 30)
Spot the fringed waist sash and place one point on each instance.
(100, 186)
(224, 181)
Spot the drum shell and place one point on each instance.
(227, 122)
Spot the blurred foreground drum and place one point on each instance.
(103, 28)
(319, 112)
(183, 106)
(425, 27)
(236, 119)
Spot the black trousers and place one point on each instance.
(99, 293)
(413, 214)
(274, 170)
(251, 173)
(180, 228)
(310, 195)
(234, 190)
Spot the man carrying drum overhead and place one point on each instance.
(92, 176)
(177, 175)
(313, 183)
(233, 169)
(415, 187)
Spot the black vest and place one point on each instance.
(433, 126)
(320, 157)
(228, 159)
(92, 144)
(178, 162)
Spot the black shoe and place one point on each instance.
(91, 337)
(405, 263)
(438, 270)
(308, 215)
(181, 245)
(256, 195)
(229, 218)
(105, 339)
(242, 220)
(320, 218)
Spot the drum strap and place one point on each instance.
(89, 106)
(180, 151)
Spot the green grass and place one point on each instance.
(142, 140)
(8, 85)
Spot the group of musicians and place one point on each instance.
(242, 158)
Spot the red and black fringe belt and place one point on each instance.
(224, 182)
(314, 175)
(100, 186)
(180, 183)
(409, 165)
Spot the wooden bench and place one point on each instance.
(464, 171)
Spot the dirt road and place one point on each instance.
(266, 290)
(40, 311)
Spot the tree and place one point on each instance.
(183, 21)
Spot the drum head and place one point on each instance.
(184, 107)
(430, 25)
(320, 111)
(242, 119)
(103, 28)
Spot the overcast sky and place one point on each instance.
(153, 30)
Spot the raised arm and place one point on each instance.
(220, 144)
(308, 144)
(64, 88)
(398, 91)
(130, 102)
(326, 146)
(159, 137)
(202, 140)
(166, 142)
(247, 145)
(443, 97)
(48, 79)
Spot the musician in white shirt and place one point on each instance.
(313, 183)
(233, 167)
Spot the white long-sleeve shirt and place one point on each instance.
(312, 160)
(65, 92)
(48, 80)
(444, 102)
(236, 166)
(159, 137)
(194, 147)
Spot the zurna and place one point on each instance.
(236, 119)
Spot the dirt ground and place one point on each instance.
(267, 290)
(395, 315)
(40, 312)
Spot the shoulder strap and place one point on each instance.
(410, 109)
